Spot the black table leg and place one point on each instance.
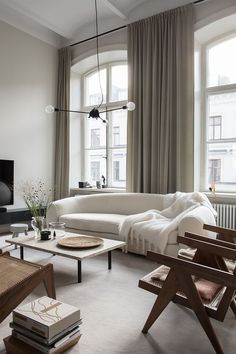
(21, 252)
(109, 259)
(79, 272)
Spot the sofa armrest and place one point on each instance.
(194, 220)
(61, 207)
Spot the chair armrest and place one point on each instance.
(211, 240)
(215, 275)
(224, 234)
(208, 247)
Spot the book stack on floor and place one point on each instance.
(44, 326)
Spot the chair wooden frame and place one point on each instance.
(224, 234)
(11, 297)
(208, 263)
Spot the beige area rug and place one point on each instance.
(114, 309)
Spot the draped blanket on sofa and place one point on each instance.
(154, 226)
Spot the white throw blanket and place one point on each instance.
(154, 226)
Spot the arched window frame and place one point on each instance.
(202, 94)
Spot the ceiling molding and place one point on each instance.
(27, 25)
(23, 11)
(115, 9)
(64, 22)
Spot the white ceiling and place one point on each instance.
(61, 22)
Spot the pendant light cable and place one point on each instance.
(98, 64)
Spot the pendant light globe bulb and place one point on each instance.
(130, 106)
(49, 109)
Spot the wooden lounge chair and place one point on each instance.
(190, 283)
(18, 278)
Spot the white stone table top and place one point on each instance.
(51, 246)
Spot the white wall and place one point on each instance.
(28, 71)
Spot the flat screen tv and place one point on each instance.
(6, 182)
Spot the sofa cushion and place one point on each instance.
(99, 222)
(117, 203)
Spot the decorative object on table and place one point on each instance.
(80, 242)
(44, 326)
(45, 235)
(16, 229)
(57, 229)
(38, 224)
(37, 197)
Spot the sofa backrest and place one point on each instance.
(119, 203)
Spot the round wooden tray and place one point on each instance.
(80, 242)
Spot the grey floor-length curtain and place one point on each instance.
(160, 130)
(62, 148)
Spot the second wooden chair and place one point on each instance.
(202, 284)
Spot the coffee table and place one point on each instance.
(51, 246)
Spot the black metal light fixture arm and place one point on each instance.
(94, 113)
(68, 110)
(114, 109)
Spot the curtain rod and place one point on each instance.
(116, 29)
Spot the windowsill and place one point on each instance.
(94, 190)
(221, 197)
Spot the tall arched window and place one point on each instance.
(218, 115)
(104, 150)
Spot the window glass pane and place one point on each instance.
(222, 116)
(221, 165)
(119, 83)
(221, 63)
(105, 145)
(92, 88)
(95, 165)
(118, 168)
(95, 133)
(95, 137)
(118, 128)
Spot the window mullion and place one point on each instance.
(220, 89)
(203, 118)
(107, 150)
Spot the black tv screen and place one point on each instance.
(6, 182)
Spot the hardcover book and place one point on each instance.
(73, 339)
(45, 316)
(54, 340)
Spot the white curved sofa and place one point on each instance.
(102, 215)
